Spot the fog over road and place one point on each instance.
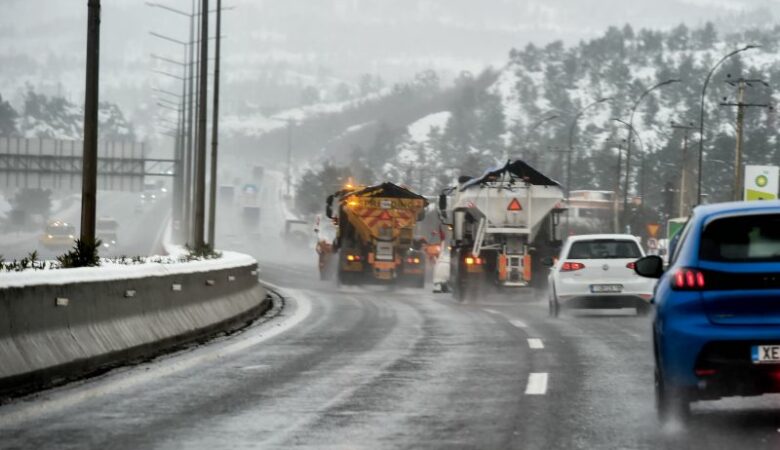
(367, 367)
(139, 234)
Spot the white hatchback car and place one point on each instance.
(597, 271)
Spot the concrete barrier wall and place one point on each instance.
(50, 332)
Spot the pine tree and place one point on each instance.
(7, 118)
(679, 38)
(705, 37)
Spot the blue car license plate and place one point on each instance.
(765, 354)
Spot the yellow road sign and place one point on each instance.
(652, 229)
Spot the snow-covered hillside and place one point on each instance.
(258, 123)
(534, 104)
(419, 162)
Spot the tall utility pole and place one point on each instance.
(289, 154)
(214, 133)
(615, 208)
(643, 179)
(200, 166)
(184, 161)
(699, 192)
(741, 84)
(624, 216)
(190, 145)
(91, 100)
(179, 198)
(683, 207)
(179, 150)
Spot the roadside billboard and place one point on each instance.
(673, 226)
(761, 182)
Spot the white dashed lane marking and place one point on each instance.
(537, 384)
(518, 323)
(492, 311)
(535, 343)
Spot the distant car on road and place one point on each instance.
(106, 229)
(149, 196)
(250, 205)
(298, 233)
(717, 326)
(58, 235)
(597, 271)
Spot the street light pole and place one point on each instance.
(701, 113)
(182, 167)
(91, 101)
(535, 126)
(615, 215)
(215, 133)
(631, 131)
(189, 157)
(577, 116)
(573, 126)
(200, 166)
(189, 147)
(289, 154)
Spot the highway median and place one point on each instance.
(67, 324)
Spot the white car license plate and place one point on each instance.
(766, 354)
(606, 288)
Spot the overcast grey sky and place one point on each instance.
(317, 39)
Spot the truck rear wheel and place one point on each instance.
(342, 278)
(457, 291)
(554, 307)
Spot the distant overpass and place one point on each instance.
(56, 164)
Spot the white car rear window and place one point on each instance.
(604, 249)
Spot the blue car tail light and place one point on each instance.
(687, 279)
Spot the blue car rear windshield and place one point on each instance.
(604, 249)
(754, 238)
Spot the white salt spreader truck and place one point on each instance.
(504, 224)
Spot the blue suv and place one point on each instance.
(716, 331)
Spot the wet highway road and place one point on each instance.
(366, 367)
(369, 368)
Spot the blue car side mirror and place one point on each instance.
(649, 267)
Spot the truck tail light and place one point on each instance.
(470, 261)
(352, 258)
(414, 260)
(688, 280)
(569, 266)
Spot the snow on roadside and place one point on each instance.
(117, 271)
(129, 269)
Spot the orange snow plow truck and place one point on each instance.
(375, 236)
